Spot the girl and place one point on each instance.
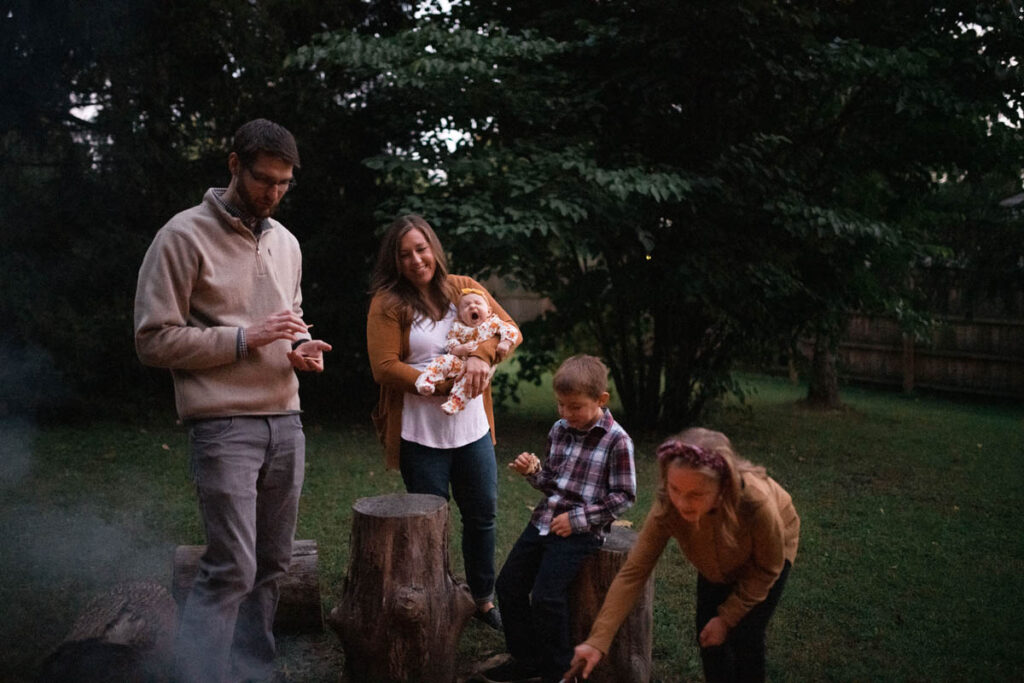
(410, 314)
(739, 529)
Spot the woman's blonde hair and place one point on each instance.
(387, 275)
(712, 454)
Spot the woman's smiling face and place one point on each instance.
(416, 259)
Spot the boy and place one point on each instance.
(588, 479)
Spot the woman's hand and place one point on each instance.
(713, 633)
(588, 654)
(477, 373)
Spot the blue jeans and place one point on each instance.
(472, 473)
(248, 473)
(741, 658)
(533, 593)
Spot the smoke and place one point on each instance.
(29, 380)
(57, 554)
(17, 435)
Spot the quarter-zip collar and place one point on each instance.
(257, 226)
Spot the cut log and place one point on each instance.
(401, 611)
(125, 634)
(299, 609)
(629, 658)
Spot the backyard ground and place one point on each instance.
(911, 561)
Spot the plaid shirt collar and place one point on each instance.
(604, 423)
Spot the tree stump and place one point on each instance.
(402, 611)
(125, 634)
(629, 658)
(299, 609)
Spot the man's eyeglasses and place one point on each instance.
(267, 182)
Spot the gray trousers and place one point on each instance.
(248, 473)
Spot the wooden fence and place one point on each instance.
(968, 356)
(983, 356)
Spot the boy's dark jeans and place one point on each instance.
(533, 593)
(740, 659)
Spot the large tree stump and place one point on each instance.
(629, 658)
(125, 635)
(401, 611)
(299, 609)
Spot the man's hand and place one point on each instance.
(713, 633)
(588, 654)
(477, 373)
(561, 525)
(309, 355)
(283, 325)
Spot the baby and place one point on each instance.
(475, 323)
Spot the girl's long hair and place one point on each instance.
(387, 278)
(719, 461)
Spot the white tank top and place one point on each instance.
(423, 421)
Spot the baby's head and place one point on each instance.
(473, 307)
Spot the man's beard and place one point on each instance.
(251, 206)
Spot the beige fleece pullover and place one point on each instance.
(205, 276)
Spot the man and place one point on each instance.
(219, 303)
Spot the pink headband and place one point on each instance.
(692, 455)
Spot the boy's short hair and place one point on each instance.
(581, 374)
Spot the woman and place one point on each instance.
(411, 312)
(739, 529)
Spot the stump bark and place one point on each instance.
(125, 634)
(629, 658)
(299, 609)
(402, 611)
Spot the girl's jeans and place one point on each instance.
(741, 657)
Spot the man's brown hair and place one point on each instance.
(261, 136)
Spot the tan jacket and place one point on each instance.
(204, 276)
(768, 536)
(387, 344)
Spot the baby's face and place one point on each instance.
(473, 309)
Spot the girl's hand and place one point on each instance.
(588, 654)
(713, 633)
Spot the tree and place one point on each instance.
(687, 183)
(162, 87)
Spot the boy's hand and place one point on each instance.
(525, 463)
(560, 525)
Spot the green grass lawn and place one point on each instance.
(911, 562)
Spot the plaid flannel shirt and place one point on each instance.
(591, 475)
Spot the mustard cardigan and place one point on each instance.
(387, 344)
